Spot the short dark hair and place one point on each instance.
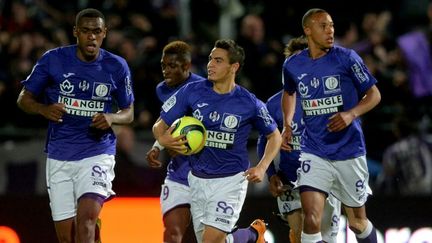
(294, 45)
(179, 48)
(89, 13)
(310, 13)
(235, 52)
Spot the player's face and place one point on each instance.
(90, 33)
(174, 70)
(218, 66)
(321, 30)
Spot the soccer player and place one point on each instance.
(75, 87)
(175, 193)
(221, 171)
(283, 175)
(335, 89)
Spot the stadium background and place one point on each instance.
(139, 29)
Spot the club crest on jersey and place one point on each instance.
(66, 88)
(230, 122)
(332, 84)
(214, 116)
(84, 85)
(101, 91)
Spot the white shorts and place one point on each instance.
(290, 201)
(67, 181)
(174, 194)
(347, 180)
(217, 202)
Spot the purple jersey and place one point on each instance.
(228, 118)
(86, 88)
(178, 167)
(330, 84)
(288, 161)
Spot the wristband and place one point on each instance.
(158, 145)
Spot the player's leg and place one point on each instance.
(364, 230)
(62, 201)
(93, 186)
(352, 189)
(330, 219)
(89, 207)
(315, 180)
(295, 222)
(176, 221)
(65, 230)
(175, 204)
(252, 234)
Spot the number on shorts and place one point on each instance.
(306, 166)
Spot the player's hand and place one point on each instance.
(255, 174)
(286, 139)
(152, 158)
(169, 142)
(101, 121)
(340, 121)
(54, 112)
(276, 186)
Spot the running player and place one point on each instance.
(335, 89)
(220, 172)
(75, 87)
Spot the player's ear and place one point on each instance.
(235, 67)
(75, 32)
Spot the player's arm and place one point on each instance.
(152, 156)
(104, 121)
(28, 103)
(341, 120)
(256, 174)
(162, 133)
(288, 104)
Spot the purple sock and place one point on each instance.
(371, 238)
(245, 235)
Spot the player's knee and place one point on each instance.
(65, 238)
(357, 225)
(312, 221)
(173, 234)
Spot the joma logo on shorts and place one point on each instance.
(226, 221)
(99, 183)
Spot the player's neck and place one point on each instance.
(223, 87)
(315, 52)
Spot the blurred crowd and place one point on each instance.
(393, 37)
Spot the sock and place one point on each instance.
(244, 235)
(368, 235)
(311, 238)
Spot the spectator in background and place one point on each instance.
(407, 164)
(262, 67)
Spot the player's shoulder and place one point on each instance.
(343, 51)
(275, 98)
(112, 58)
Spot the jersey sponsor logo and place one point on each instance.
(128, 84)
(101, 91)
(322, 106)
(222, 140)
(66, 87)
(230, 122)
(265, 115)
(79, 107)
(295, 142)
(169, 103)
(359, 72)
(197, 114)
(332, 84)
(303, 89)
